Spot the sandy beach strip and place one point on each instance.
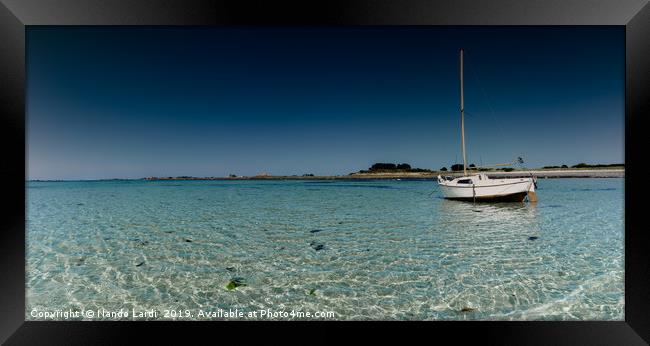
(563, 173)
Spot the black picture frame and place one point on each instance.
(15, 15)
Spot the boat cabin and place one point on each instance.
(471, 179)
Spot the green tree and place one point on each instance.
(456, 167)
(381, 166)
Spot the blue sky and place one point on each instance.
(131, 102)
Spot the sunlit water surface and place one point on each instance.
(360, 249)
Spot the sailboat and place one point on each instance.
(479, 187)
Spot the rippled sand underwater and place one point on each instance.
(378, 250)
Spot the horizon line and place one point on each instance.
(313, 176)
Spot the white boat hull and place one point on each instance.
(485, 189)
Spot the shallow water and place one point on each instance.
(380, 250)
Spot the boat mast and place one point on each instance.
(462, 114)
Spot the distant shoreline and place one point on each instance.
(540, 173)
(566, 173)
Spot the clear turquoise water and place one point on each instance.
(390, 249)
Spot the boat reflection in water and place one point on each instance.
(491, 257)
(508, 217)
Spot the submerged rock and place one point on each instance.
(234, 283)
(316, 246)
(532, 238)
